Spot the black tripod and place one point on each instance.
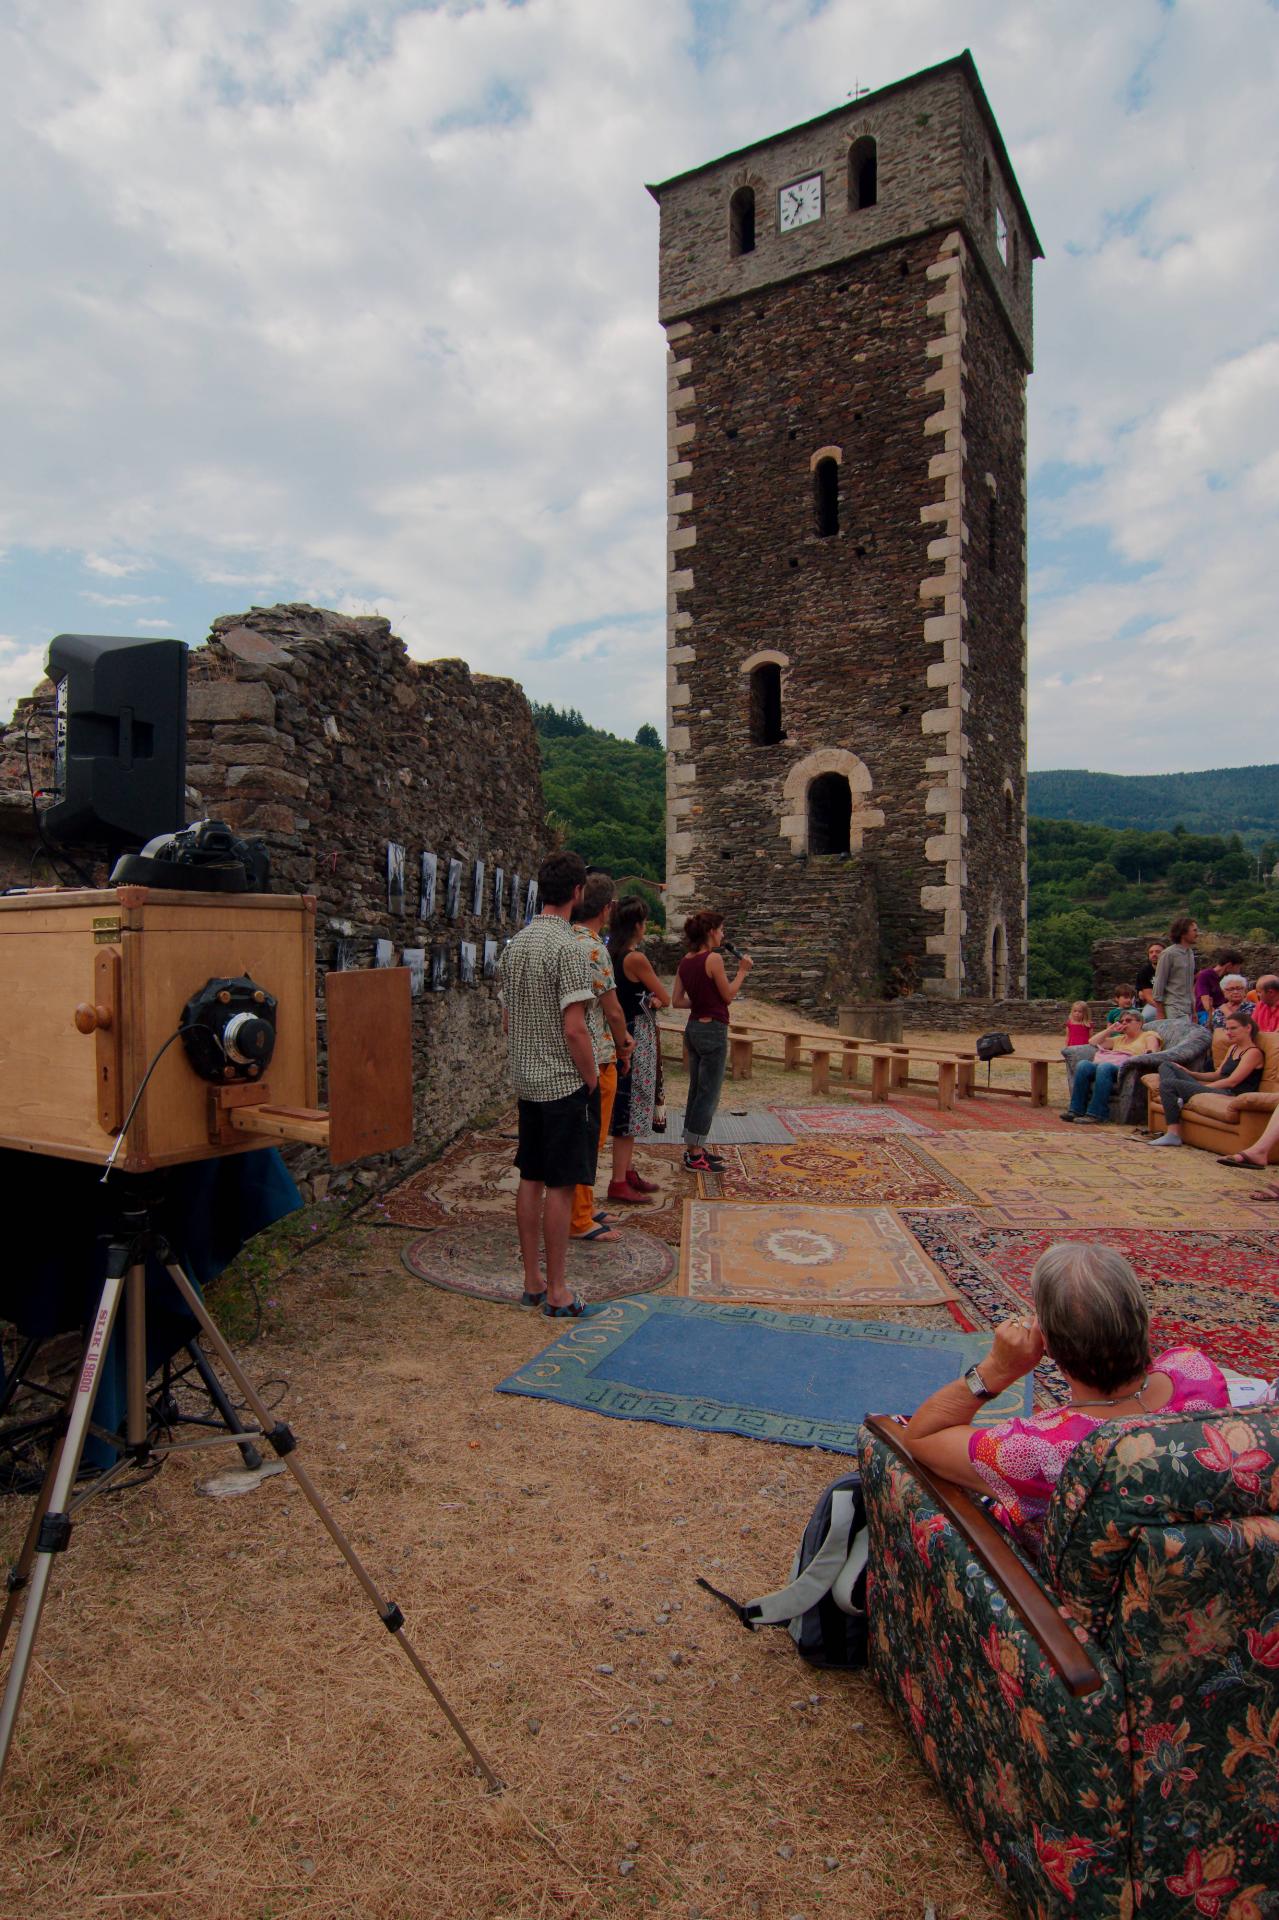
(50, 1529)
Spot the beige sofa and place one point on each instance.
(1218, 1121)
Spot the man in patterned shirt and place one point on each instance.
(612, 1043)
(546, 990)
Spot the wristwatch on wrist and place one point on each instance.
(976, 1385)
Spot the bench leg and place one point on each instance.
(790, 1051)
(819, 1080)
(1039, 1083)
(741, 1054)
(848, 1063)
(879, 1068)
(964, 1079)
(946, 1079)
(899, 1069)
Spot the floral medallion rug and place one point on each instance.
(1218, 1291)
(1095, 1177)
(805, 1256)
(841, 1121)
(482, 1258)
(858, 1173)
(478, 1175)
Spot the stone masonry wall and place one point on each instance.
(315, 732)
(1114, 961)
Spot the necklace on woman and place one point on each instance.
(1134, 1395)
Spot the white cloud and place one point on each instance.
(358, 303)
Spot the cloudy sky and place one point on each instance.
(356, 304)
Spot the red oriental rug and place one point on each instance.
(1218, 1291)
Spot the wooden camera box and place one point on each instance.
(92, 984)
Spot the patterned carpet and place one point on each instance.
(980, 1115)
(839, 1121)
(478, 1175)
(1218, 1291)
(1097, 1178)
(805, 1256)
(482, 1258)
(864, 1173)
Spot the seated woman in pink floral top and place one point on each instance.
(1091, 1318)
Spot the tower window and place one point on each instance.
(826, 497)
(741, 222)
(830, 814)
(766, 704)
(1010, 809)
(1001, 234)
(863, 174)
(998, 963)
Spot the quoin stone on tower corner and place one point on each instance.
(847, 308)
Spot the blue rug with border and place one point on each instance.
(802, 1379)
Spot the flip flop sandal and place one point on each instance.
(533, 1299)
(1272, 1193)
(596, 1233)
(1239, 1160)
(571, 1310)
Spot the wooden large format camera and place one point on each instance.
(92, 985)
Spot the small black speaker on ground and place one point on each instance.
(120, 738)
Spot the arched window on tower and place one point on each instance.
(830, 814)
(1010, 808)
(826, 497)
(766, 705)
(998, 963)
(741, 222)
(863, 174)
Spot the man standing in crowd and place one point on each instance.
(1146, 981)
(1266, 1011)
(546, 990)
(612, 1043)
(1174, 984)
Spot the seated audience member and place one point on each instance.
(1209, 982)
(1089, 1316)
(1257, 1156)
(1174, 987)
(1239, 1072)
(1146, 982)
(1079, 1026)
(1125, 1002)
(1266, 1010)
(1094, 1080)
(1234, 999)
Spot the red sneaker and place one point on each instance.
(640, 1184)
(625, 1196)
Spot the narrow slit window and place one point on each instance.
(741, 222)
(830, 814)
(766, 705)
(826, 498)
(998, 963)
(1001, 235)
(863, 174)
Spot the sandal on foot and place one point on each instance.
(571, 1310)
(596, 1233)
(1239, 1160)
(532, 1299)
(1265, 1193)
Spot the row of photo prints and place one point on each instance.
(508, 905)
(426, 970)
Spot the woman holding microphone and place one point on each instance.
(703, 986)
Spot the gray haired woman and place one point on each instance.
(1090, 1316)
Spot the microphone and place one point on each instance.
(734, 953)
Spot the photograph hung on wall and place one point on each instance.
(383, 953)
(499, 893)
(414, 958)
(394, 877)
(515, 898)
(453, 896)
(344, 956)
(530, 902)
(477, 888)
(426, 901)
(439, 969)
(466, 962)
(490, 960)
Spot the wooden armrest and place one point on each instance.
(989, 1545)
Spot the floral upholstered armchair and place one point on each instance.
(1107, 1727)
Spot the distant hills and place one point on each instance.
(1226, 800)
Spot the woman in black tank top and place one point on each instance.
(1239, 1072)
(703, 986)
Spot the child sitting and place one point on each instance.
(1079, 1026)
(1125, 999)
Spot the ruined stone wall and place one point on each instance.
(316, 733)
(1117, 960)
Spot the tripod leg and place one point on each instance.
(217, 1393)
(55, 1529)
(29, 1350)
(282, 1439)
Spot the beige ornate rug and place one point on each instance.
(860, 1173)
(805, 1256)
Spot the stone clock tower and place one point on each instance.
(848, 312)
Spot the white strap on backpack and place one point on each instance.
(834, 1569)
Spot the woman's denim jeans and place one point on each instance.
(1092, 1086)
(707, 1042)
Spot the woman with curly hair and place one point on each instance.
(642, 995)
(703, 986)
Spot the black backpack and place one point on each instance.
(824, 1605)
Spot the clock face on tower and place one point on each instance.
(799, 203)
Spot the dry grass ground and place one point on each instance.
(218, 1724)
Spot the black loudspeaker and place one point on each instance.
(120, 737)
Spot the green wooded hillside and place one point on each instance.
(607, 796)
(1242, 800)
